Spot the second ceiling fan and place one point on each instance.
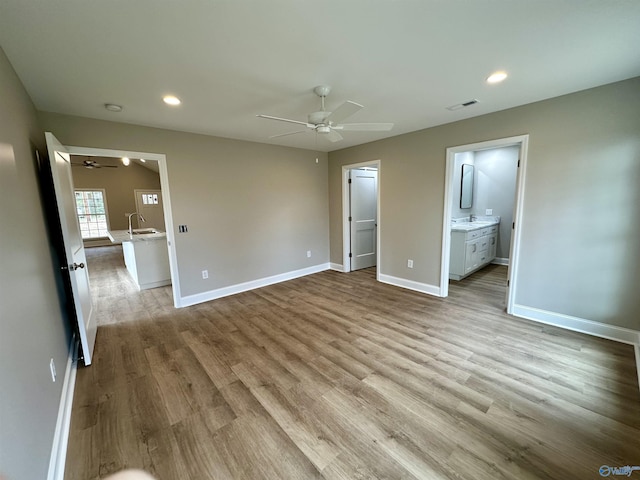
(328, 124)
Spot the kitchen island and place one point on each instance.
(145, 255)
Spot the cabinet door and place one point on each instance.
(471, 256)
(493, 245)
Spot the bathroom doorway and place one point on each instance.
(482, 213)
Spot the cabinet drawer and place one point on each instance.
(483, 244)
(474, 234)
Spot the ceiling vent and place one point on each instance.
(462, 105)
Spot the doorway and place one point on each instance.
(361, 215)
(158, 161)
(505, 252)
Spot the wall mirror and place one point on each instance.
(466, 191)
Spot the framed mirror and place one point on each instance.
(466, 191)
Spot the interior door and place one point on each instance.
(149, 204)
(73, 247)
(364, 217)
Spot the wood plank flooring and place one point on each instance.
(336, 376)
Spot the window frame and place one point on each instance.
(106, 212)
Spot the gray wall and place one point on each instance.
(579, 252)
(252, 210)
(495, 188)
(119, 185)
(33, 329)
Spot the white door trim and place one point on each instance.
(523, 142)
(346, 232)
(166, 199)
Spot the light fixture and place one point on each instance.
(126, 161)
(496, 77)
(143, 160)
(171, 100)
(112, 107)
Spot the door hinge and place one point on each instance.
(508, 283)
(350, 219)
(350, 255)
(518, 163)
(349, 180)
(513, 226)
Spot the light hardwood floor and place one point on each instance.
(337, 376)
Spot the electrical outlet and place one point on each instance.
(52, 367)
(205, 274)
(308, 253)
(409, 263)
(488, 211)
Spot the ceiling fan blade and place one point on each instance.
(365, 127)
(333, 136)
(345, 110)
(105, 166)
(290, 133)
(269, 117)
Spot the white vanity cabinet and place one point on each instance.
(471, 249)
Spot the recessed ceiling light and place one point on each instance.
(112, 107)
(126, 161)
(496, 77)
(142, 160)
(171, 100)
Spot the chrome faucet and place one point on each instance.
(140, 219)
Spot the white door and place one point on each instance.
(149, 204)
(364, 217)
(60, 162)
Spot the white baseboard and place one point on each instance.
(636, 347)
(597, 329)
(410, 284)
(500, 261)
(603, 330)
(243, 287)
(61, 435)
(336, 266)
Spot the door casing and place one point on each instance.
(346, 230)
(523, 142)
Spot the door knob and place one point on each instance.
(76, 266)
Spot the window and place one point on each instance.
(91, 206)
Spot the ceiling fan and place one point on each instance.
(92, 164)
(328, 123)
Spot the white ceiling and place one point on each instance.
(228, 60)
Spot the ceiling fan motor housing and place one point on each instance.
(323, 129)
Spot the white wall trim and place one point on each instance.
(336, 266)
(253, 284)
(409, 284)
(61, 436)
(500, 261)
(636, 347)
(590, 327)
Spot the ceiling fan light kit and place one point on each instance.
(327, 123)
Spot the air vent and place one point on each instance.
(462, 105)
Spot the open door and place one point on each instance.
(76, 267)
(364, 217)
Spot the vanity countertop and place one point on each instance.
(466, 226)
(119, 236)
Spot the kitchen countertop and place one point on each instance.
(119, 236)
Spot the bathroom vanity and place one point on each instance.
(473, 246)
(145, 255)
